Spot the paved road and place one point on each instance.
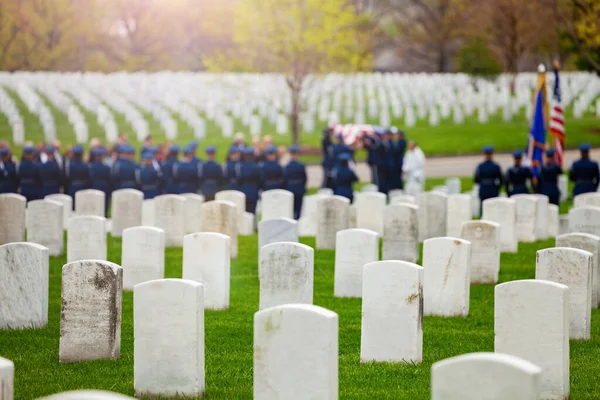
(435, 167)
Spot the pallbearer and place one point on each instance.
(148, 178)
(518, 176)
(295, 178)
(123, 170)
(9, 179)
(211, 175)
(549, 178)
(344, 178)
(50, 173)
(488, 175)
(584, 172)
(100, 174)
(249, 179)
(186, 172)
(272, 173)
(77, 172)
(231, 175)
(168, 165)
(29, 175)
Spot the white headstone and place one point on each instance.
(354, 249)
(192, 211)
(220, 217)
(67, 202)
(585, 220)
(90, 202)
(370, 188)
(239, 199)
(168, 352)
(392, 312)
(401, 232)
(7, 376)
(453, 185)
(447, 277)
(307, 224)
(405, 198)
(332, 217)
(526, 207)
(148, 212)
(169, 216)
(248, 224)
(563, 224)
(573, 268)
(563, 186)
(587, 199)
(45, 225)
(87, 395)
(86, 238)
(521, 308)
(485, 376)
(541, 219)
(90, 321)
(553, 220)
(286, 274)
(503, 211)
(126, 210)
(23, 286)
(296, 353)
(207, 259)
(12, 218)
(352, 216)
(143, 255)
(369, 211)
(432, 215)
(277, 230)
(459, 211)
(277, 203)
(587, 242)
(485, 250)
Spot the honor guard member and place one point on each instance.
(391, 172)
(29, 175)
(518, 176)
(211, 175)
(167, 170)
(249, 179)
(50, 173)
(373, 143)
(148, 178)
(344, 178)
(584, 172)
(193, 146)
(186, 172)
(231, 175)
(489, 176)
(272, 173)
(77, 173)
(100, 175)
(549, 178)
(295, 178)
(123, 170)
(9, 179)
(399, 150)
(328, 160)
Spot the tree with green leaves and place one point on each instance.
(476, 59)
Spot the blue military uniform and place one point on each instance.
(517, 177)
(186, 174)
(100, 175)
(390, 165)
(328, 160)
(399, 150)
(211, 176)
(77, 173)
(272, 173)
(195, 159)
(123, 172)
(29, 175)
(51, 176)
(489, 177)
(584, 173)
(149, 179)
(230, 173)
(249, 181)
(549, 179)
(343, 178)
(9, 179)
(295, 178)
(170, 186)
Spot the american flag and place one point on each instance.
(557, 121)
(352, 132)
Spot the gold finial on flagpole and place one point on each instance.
(541, 68)
(556, 64)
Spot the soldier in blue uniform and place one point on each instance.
(51, 174)
(123, 170)
(77, 173)
(193, 146)
(584, 172)
(295, 178)
(518, 176)
(170, 186)
(149, 179)
(344, 178)
(328, 161)
(29, 174)
(186, 172)
(399, 150)
(211, 175)
(100, 175)
(390, 162)
(231, 176)
(9, 179)
(549, 178)
(249, 179)
(489, 176)
(272, 173)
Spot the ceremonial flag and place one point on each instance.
(537, 135)
(557, 121)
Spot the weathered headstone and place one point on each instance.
(587, 200)
(143, 255)
(332, 217)
(503, 211)
(220, 217)
(168, 353)
(354, 249)
(307, 224)
(126, 210)
(587, 242)
(401, 232)
(207, 259)
(277, 230)
(239, 199)
(459, 211)
(67, 202)
(192, 211)
(369, 211)
(485, 250)
(296, 353)
(405, 198)
(573, 268)
(23, 286)
(541, 218)
(552, 220)
(248, 224)
(526, 207)
(45, 225)
(90, 202)
(148, 212)
(86, 238)
(563, 224)
(277, 203)
(433, 208)
(87, 395)
(485, 376)
(352, 216)
(325, 192)
(447, 277)
(454, 186)
(90, 319)
(585, 220)
(12, 218)
(392, 312)
(521, 308)
(7, 376)
(286, 274)
(169, 216)
(475, 201)
(392, 194)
